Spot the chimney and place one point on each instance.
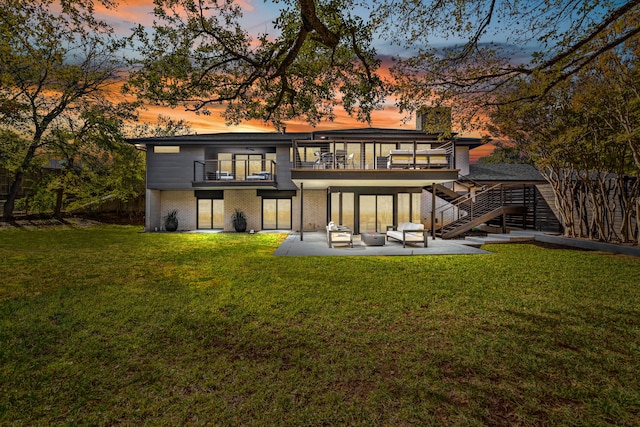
(434, 119)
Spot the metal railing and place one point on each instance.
(234, 170)
(471, 206)
(340, 159)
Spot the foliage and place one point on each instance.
(506, 152)
(321, 53)
(58, 69)
(171, 220)
(198, 55)
(239, 220)
(214, 328)
(496, 47)
(583, 137)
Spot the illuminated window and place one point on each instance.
(166, 149)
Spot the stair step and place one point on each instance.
(498, 238)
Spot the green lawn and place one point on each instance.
(108, 325)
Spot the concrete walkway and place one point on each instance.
(315, 244)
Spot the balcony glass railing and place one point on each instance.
(234, 170)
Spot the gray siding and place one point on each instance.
(283, 171)
(172, 171)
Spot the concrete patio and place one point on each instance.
(315, 244)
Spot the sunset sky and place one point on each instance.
(259, 17)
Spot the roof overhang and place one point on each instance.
(314, 179)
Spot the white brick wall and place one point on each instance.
(161, 202)
(315, 211)
(186, 204)
(248, 202)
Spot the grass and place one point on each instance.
(107, 325)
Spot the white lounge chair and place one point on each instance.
(436, 157)
(408, 232)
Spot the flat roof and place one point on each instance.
(379, 134)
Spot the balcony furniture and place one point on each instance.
(350, 161)
(224, 175)
(262, 175)
(419, 159)
(339, 234)
(408, 232)
(219, 175)
(373, 239)
(341, 158)
(326, 159)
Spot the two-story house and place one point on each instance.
(362, 178)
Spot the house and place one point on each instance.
(366, 179)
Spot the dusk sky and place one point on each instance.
(259, 17)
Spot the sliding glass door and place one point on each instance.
(276, 214)
(343, 209)
(376, 213)
(210, 214)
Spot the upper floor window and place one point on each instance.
(166, 149)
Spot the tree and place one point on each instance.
(500, 42)
(583, 136)
(506, 152)
(321, 53)
(57, 65)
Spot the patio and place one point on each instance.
(315, 244)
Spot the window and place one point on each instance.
(342, 209)
(163, 149)
(376, 212)
(409, 207)
(210, 214)
(276, 214)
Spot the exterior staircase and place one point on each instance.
(445, 193)
(471, 210)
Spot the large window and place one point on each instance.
(376, 212)
(276, 214)
(409, 207)
(210, 214)
(342, 209)
(248, 164)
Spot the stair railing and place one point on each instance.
(471, 206)
(466, 181)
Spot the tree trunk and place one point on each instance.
(9, 205)
(59, 197)
(17, 179)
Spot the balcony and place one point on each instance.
(211, 173)
(368, 155)
(326, 163)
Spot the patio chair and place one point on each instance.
(350, 161)
(337, 234)
(408, 232)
